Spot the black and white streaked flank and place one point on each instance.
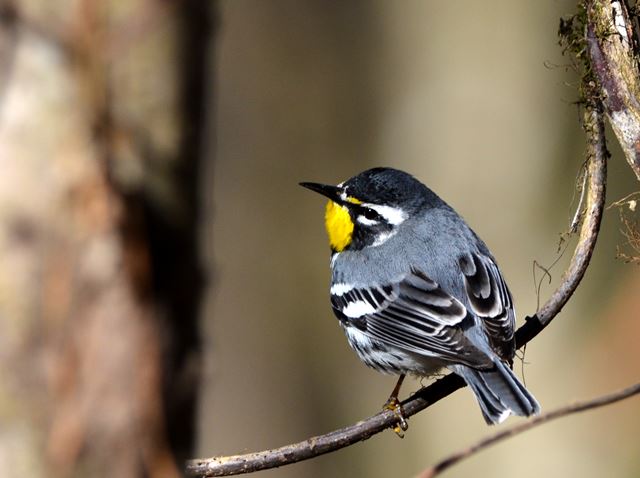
(416, 290)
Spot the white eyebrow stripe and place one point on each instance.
(393, 215)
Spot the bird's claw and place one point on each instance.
(401, 426)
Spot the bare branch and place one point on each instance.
(427, 396)
(528, 425)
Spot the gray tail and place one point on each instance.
(499, 392)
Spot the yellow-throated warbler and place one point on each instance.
(416, 290)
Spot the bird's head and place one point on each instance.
(368, 209)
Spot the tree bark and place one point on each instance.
(100, 283)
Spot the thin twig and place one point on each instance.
(528, 425)
(427, 396)
(629, 200)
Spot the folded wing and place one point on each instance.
(490, 300)
(414, 314)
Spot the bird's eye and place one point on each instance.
(371, 214)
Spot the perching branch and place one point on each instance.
(427, 396)
(528, 425)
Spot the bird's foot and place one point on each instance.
(394, 405)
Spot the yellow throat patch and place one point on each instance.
(339, 226)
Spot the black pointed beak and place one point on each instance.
(332, 192)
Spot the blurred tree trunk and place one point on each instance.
(101, 111)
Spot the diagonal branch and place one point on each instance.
(427, 396)
(528, 425)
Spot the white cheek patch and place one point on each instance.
(393, 215)
(357, 309)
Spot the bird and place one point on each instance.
(417, 291)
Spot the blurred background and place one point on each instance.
(164, 279)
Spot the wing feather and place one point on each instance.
(490, 299)
(414, 314)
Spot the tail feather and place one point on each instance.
(499, 392)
